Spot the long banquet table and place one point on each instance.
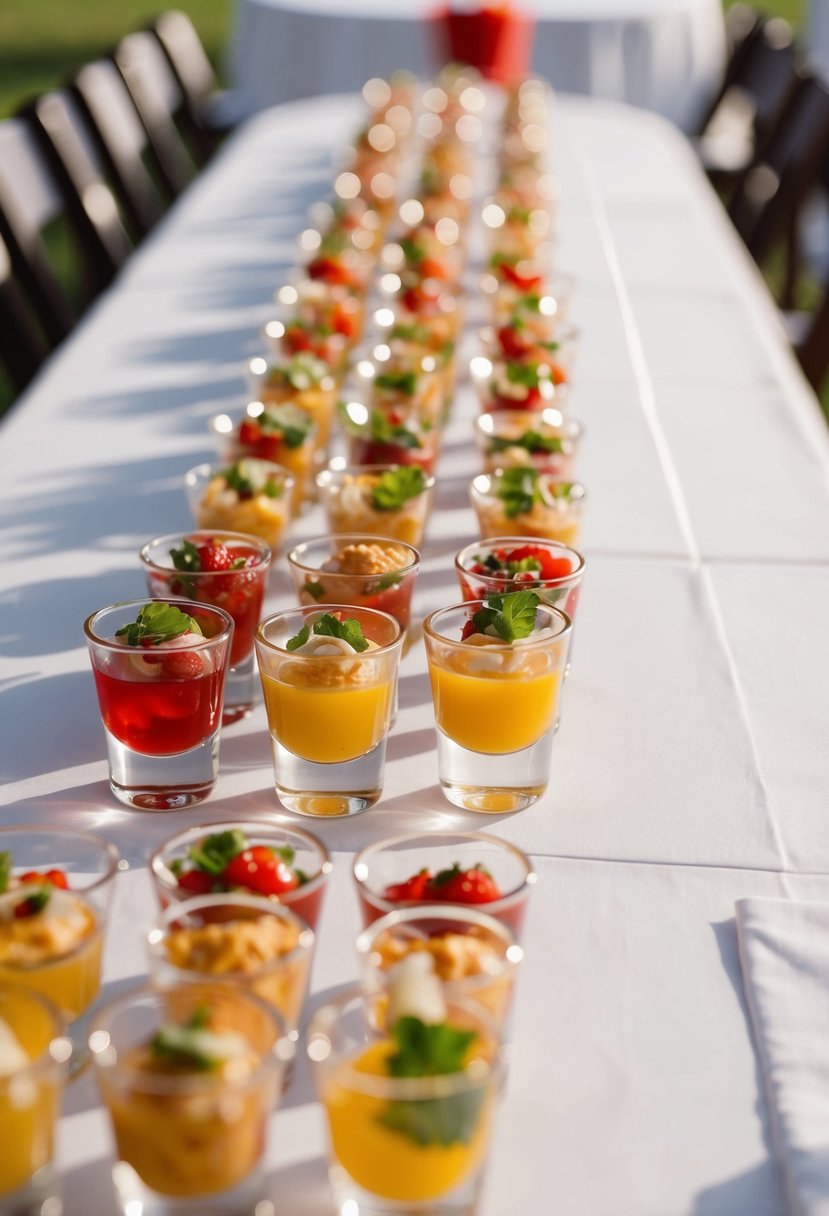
(691, 767)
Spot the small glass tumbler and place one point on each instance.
(352, 503)
(34, 1070)
(357, 569)
(239, 591)
(308, 857)
(329, 714)
(547, 440)
(383, 871)
(189, 1142)
(236, 938)
(161, 706)
(266, 510)
(495, 709)
(560, 587)
(539, 508)
(475, 956)
(403, 1146)
(61, 961)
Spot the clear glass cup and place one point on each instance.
(238, 592)
(266, 513)
(550, 510)
(188, 1142)
(284, 437)
(236, 938)
(547, 440)
(526, 387)
(378, 436)
(563, 590)
(354, 568)
(62, 963)
(310, 858)
(302, 380)
(30, 1088)
(495, 711)
(161, 711)
(387, 864)
(347, 494)
(403, 1146)
(329, 715)
(475, 956)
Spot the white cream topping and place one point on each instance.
(415, 990)
(12, 1055)
(61, 904)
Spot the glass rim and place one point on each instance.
(486, 423)
(405, 1088)
(114, 863)
(431, 632)
(577, 491)
(344, 538)
(327, 474)
(208, 471)
(522, 542)
(177, 601)
(261, 377)
(507, 900)
(194, 1083)
(321, 610)
(225, 534)
(251, 827)
(58, 1051)
(161, 928)
(507, 962)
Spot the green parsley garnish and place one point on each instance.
(432, 1051)
(412, 333)
(412, 252)
(397, 382)
(187, 557)
(293, 424)
(531, 441)
(526, 374)
(302, 372)
(5, 871)
(396, 487)
(248, 479)
(37, 901)
(187, 1046)
(508, 616)
(158, 623)
(315, 590)
(327, 625)
(214, 852)
(518, 490)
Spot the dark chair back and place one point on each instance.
(122, 142)
(22, 345)
(813, 349)
(194, 74)
(770, 194)
(157, 98)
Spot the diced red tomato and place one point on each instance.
(197, 882)
(260, 869)
(412, 889)
(56, 878)
(457, 886)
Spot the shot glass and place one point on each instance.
(58, 895)
(305, 855)
(376, 436)
(329, 714)
(403, 1146)
(161, 708)
(256, 497)
(386, 874)
(35, 1062)
(189, 1138)
(304, 381)
(354, 568)
(239, 590)
(475, 956)
(284, 435)
(524, 502)
(478, 573)
(548, 441)
(355, 500)
(242, 939)
(495, 709)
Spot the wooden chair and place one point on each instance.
(22, 345)
(122, 143)
(757, 86)
(201, 113)
(90, 206)
(157, 98)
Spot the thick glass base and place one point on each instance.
(163, 783)
(241, 689)
(133, 1197)
(352, 1200)
(494, 784)
(328, 790)
(38, 1196)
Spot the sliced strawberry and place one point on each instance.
(182, 665)
(213, 556)
(512, 341)
(198, 882)
(468, 630)
(457, 886)
(57, 878)
(413, 888)
(260, 869)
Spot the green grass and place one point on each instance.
(43, 41)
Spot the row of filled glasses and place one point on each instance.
(191, 1066)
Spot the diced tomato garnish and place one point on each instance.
(524, 282)
(260, 869)
(513, 342)
(550, 567)
(56, 878)
(413, 888)
(197, 882)
(456, 886)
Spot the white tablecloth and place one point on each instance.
(667, 55)
(691, 767)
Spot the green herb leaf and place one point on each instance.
(292, 423)
(531, 441)
(518, 490)
(187, 557)
(526, 374)
(299, 639)
(397, 486)
(315, 590)
(5, 871)
(37, 901)
(412, 252)
(188, 1046)
(442, 1121)
(383, 431)
(425, 1050)
(387, 580)
(214, 852)
(158, 623)
(349, 630)
(397, 382)
(287, 853)
(412, 333)
(508, 616)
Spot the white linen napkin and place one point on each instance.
(784, 953)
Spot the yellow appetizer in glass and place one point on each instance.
(282, 435)
(303, 381)
(253, 497)
(385, 500)
(521, 501)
